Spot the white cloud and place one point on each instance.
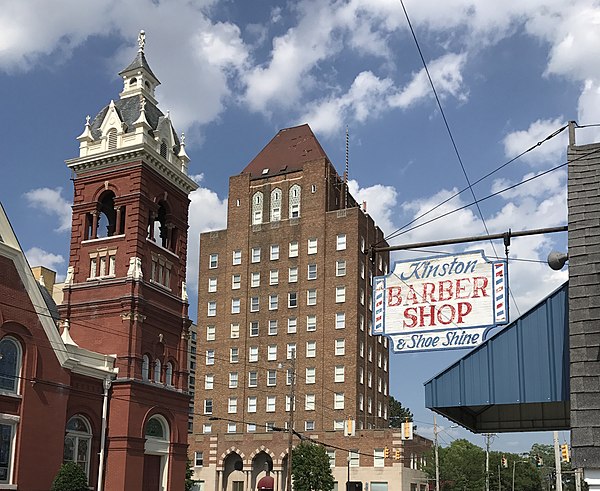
(51, 202)
(40, 257)
(551, 151)
(380, 201)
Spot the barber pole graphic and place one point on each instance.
(379, 306)
(500, 300)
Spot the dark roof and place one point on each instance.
(288, 151)
(50, 303)
(139, 62)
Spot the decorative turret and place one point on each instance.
(138, 78)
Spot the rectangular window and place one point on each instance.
(234, 331)
(354, 458)
(293, 275)
(254, 279)
(252, 379)
(93, 267)
(255, 257)
(362, 270)
(362, 245)
(232, 405)
(273, 302)
(271, 378)
(362, 296)
(208, 406)
(340, 320)
(236, 281)
(292, 300)
(378, 458)
(213, 261)
(231, 427)
(312, 246)
(274, 252)
(311, 322)
(206, 428)
(212, 285)
(254, 328)
(233, 380)
(272, 352)
(309, 425)
(288, 376)
(250, 428)
(309, 402)
(340, 347)
(339, 373)
(274, 277)
(253, 354)
(340, 268)
(340, 244)
(211, 309)
(361, 375)
(291, 351)
(311, 349)
(361, 349)
(210, 333)
(234, 355)
(209, 380)
(198, 459)
(338, 400)
(293, 251)
(254, 304)
(361, 323)
(331, 455)
(311, 297)
(210, 356)
(340, 294)
(271, 404)
(237, 258)
(311, 375)
(252, 404)
(272, 327)
(292, 325)
(361, 402)
(338, 424)
(312, 272)
(235, 305)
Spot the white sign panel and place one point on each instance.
(440, 303)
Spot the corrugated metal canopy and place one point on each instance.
(518, 380)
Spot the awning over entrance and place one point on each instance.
(518, 380)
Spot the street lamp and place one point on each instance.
(435, 445)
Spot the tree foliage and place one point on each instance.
(189, 473)
(310, 468)
(398, 414)
(70, 477)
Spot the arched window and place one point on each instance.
(157, 370)
(78, 441)
(10, 365)
(156, 450)
(145, 367)
(107, 219)
(276, 205)
(112, 139)
(294, 207)
(163, 149)
(161, 232)
(257, 208)
(169, 375)
(133, 81)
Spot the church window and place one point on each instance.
(145, 367)
(276, 205)
(160, 231)
(169, 375)
(10, 365)
(107, 217)
(7, 450)
(157, 371)
(294, 201)
(257, 208)
(78, 440)
(112, 139)
(133, 81)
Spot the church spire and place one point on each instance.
(138, 78)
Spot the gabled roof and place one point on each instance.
(288, 151)
(517, 380)
(139, 62)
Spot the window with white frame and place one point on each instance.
(233, 380)
(231, 427)
(338, 424)
(145, 367)
(340, 320)
(310, 375)
(379, 409)
(234, 331)
(293, 249)
(361, 322)
(198, 459)
(340, 347)
(331, 456)
(271, 378)
(257, 208)
(311, 349)
(273, 302)
(292, 325)
(361, 375)
(385, 362)
(378, 458)
(234, 355)
(213, 261)
(276, 205)
(311, 296)
(272, 352)
(379, 359)
(311, 323)
(252, 379)
(369, 379)
(354, 458)
(294, 203)
(312, 272)
(340, 268)
(309, 425)
(338, 400)
(309, 402)
(362, 296)
(289, 375)
(312, 246)
(254, 328)
(361, 402)
(206, 428)
(255, 255)
(340, 294)
(211, 310)
(77, 446)
(288, 405)
(235, 305)
(212, 285)
(291, 351)
(210, 356)
(340, 243)
(210, 333)
(254, 279)
(236, 281)
(272, 327)
(361, 349)
(362, 244)
(208, 406)
(11, 356)
(385, 388)
(340, 373)
(274, 256)
(292, 300)
(370, 405)
(293, 275)
(232, 405)
(254, 304)
(274, 277)
(236, 258)
(271, 404)
(370, 353)
(251, 428)
(252, 404)
(253, 354)
(362, 270)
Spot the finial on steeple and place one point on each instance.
(87, 120)
(141, 40)
(142, 103)
(183, 156)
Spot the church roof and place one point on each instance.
(288, 151)
(139, 62)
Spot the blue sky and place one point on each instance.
(234, 72)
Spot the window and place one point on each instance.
(338, 400)
(294, 204)
(255, 258)
(340, 294)
(276, 205)
(254, 304)
(252, 379)
(210, 356)
(252, 404)
(237, 258)
(311, 349)
(292, 325)
(208, 406)
(309, 402)
(210, 333)
(354, 458)
(370, 405)
(340, 244)
(291, 351)
(198, 459)
(233, 380)
(78, 442)
(272, 327)
(253, 354)
(340, 320)
(369, 379)
(311, 375)
(340, 347)
(362, 244)
(361, 402)
(312, 272)
(362, 296)
(370, 353)
(232, 405)
(234, 331)
(271, 404)
(362, 270)
(311, 322)
(293, 251)
(254, 328)
(271, 378)
(361, 323)
(235, 305)
(309, 425)
(288, 405)
(378, 458)
(273, 302)
(292, 299)
(339, 373)
(212, 285)
(289, 376)
(293, 275)
(274, 256)
(331, 455)
(312, 246)
(251, 428)
(209, 380)
(145, 367)
(361, 375)
(234, 355)
(257, 208)
(254, 280)
(231, 427)
(311, 297)
(213, 261)
(274, 277)
(340, 268)
(211, 309)
(338, 424)
(236, 281)
(272, 352)
(207, 428)
(361, 349)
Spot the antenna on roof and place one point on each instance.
(346, 169)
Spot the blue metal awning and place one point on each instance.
(518, 380)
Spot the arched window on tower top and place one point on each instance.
(294, 204)
(107, 215)
(257, 208)
(276, 205)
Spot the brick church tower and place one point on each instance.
(125, 290)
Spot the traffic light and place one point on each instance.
(504, 462)
(397, 454)
(538, 461)
(564, 452)
(386, 452)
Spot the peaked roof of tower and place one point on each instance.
(139, 62)
(288, 151)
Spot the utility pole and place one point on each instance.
(513, 479)
(437, 463)
(499, 478)
(291, 419)
(488, 438)
(557, 463)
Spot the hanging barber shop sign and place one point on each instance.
(440, 303)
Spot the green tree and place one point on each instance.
(398, 414)
(189, 472)
(310, 468)
(70, 477)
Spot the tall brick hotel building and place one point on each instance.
(286, 289)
